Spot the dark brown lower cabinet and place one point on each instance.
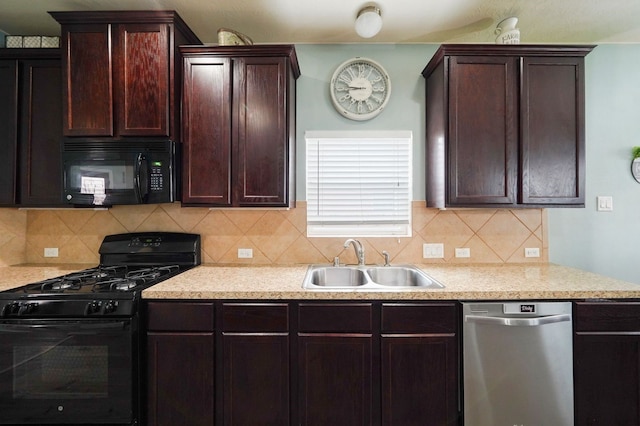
(336, 372)
(336, 369)
(378, 364)
(419, 364)
(180, 367)
(303, 363)
(181, 384)
(255, 364)
(606, 351)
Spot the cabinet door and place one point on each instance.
(180, 375)
(483, 130)
(256, 379)
(261, 140)
(180, 363)
(141, 56)
(606, 350)
(552, 111)
(206, 130)
(420, 364)
(419, 380)
(88, 80)
(607, 379)
(338, 370)
(255, 364)
(40, 133)
(8, 131)
(335, 379)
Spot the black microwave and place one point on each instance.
(107, 173)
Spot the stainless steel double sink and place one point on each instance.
(368, 277)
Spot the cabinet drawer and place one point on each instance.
(419, 318)
(334, 317)
(606, 316)
(180, 316)
(255, 317)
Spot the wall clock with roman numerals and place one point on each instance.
(360, 89)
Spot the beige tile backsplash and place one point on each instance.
(276, 236)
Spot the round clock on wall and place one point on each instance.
(360, 89)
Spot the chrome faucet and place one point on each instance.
(357, 246)
(385, 254)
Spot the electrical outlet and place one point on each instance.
(245, 253)
(433, 250)
(463, 252)
(531, 252)
(51, 252)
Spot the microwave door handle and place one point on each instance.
(141, 178)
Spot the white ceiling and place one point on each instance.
(331, 21)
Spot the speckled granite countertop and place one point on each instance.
(472, 282)
(476, 282)
(16, 276)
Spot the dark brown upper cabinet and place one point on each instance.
(238, 118)
(121, 73)
(30, 127)
(505, 126)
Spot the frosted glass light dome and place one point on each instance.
(368, 22)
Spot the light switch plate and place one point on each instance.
(605, 203)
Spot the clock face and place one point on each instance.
(360, 89)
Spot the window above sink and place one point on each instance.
(359, 183)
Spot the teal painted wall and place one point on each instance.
(606, 243)
(405, 110)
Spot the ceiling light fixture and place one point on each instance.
(368, 22)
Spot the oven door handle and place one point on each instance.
(77, 327)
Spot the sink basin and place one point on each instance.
(401, 276)
(397, 277)
(337, 277)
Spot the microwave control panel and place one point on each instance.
(157, 183)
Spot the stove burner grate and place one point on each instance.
(119, 278)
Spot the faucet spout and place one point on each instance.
(359, 249)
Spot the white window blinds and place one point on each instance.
(359, 183)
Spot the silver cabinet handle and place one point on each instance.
(518, 322)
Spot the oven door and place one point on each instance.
(67, 372)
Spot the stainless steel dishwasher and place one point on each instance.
(518, 364)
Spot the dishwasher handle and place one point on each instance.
(518, 322)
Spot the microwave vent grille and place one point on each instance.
(117, 146)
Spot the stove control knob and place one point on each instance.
(92, 307)
(27, 308)
(110, 306)
(10, 308)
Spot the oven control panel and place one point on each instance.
(151, 241)
(14, 308)
(102, 307)
(66, 308)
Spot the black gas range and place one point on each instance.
(70, 346)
